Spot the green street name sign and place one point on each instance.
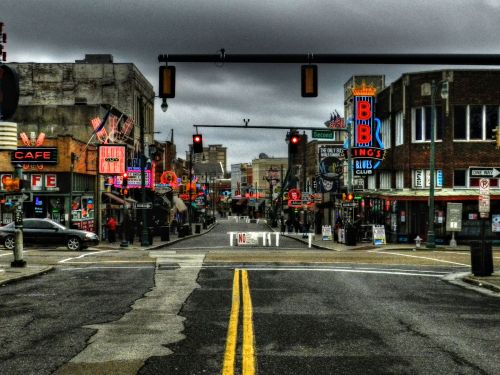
(322, 134)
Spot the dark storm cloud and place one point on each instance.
(137, 31)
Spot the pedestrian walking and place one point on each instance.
(111, 227)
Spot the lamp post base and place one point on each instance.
(18, 263)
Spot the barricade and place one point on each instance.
(266, 238)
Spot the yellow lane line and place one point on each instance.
(232, 329)
(248, 332)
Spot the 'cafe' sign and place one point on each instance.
(367, 151)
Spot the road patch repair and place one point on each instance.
(123, 346)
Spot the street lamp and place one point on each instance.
(431, 236)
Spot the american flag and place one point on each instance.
(336, 121)
(102, 134)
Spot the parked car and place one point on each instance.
(48, 232)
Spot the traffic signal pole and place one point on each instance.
(18, 223)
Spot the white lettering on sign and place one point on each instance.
(419, 178)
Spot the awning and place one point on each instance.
(114, 198)
(444, 194)
(179, 204)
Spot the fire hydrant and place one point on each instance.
(418, 241)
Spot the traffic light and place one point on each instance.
(294, 143)
(197, 143)
(350, 197)
(125, 180)
(309, 81)
(167, 82)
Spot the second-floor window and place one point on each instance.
(400, 180)
(386, 133)
(421, 120)
(385, 180)
(475, 122)
(399, 129)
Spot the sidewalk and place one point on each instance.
(10, 274)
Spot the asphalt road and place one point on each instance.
(179, 310)
(320, 321)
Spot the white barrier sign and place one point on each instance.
(247, 238)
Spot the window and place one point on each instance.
(422, 178)
(459, 178)
(475, 122)
(386, 133)
(400, 180)
(385, 180)
(460, 122)
(491, 120)
(399, 129)
(422, 122)
(371, 182)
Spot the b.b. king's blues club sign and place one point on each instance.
(367, 151)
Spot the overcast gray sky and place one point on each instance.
(138, 31)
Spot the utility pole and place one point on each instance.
(145, 234)
(18, 222)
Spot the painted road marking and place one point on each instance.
(232, 329)
(248, 332)
(11, 253)
(416, 256)
(106, 268)
(84, 255)
(248, 344)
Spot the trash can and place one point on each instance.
(350, 236)
(197, 228)
(481, 258)
(165, 233)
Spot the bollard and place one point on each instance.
(18, 250)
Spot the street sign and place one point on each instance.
(484, 204)
(322, 134)
(25, 197)
(146, 205)
(484, 186)
(484, 172)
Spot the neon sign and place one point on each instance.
(367, 151)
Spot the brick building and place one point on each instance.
(397, 193)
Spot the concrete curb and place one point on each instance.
(464, 280)
(27, 276)
(482, 284)
(167, 244)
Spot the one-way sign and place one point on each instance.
(25, 197)
(484, 172)
(145, 205)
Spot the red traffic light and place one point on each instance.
(350, 197)
(295, 139)
(197, 143)
(125, 175)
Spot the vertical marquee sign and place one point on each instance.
(367, 151)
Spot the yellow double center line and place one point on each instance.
(248, 345)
